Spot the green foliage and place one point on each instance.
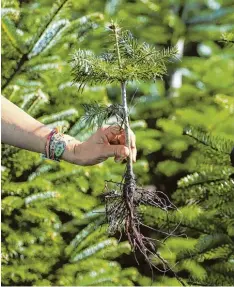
(207, 217)
(59, 221)
(45, 206)
(9, 28)
(97, 115)
(220, 144)
(42, 240)
(228, 38)
(127, 60)
(47, 37)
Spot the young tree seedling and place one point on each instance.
(127, 60)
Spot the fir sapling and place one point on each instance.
(126, 61)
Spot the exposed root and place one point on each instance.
(122, 202)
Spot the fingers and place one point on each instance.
(116, 136)
(122, 140)
(112, 133)
(118, 151)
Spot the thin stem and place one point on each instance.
(129, 172)
(127, 129)
(117, 46)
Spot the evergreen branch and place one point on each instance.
(207, 174)
(9, 28)
(212, 157)
(70, 114)
(41, 196)
(58, 5)
(28, 100)
(100, 114)
(81, 236)
(93, 249)
(223, 267)
(10, 203)
(87, 68)
(55, 10)
(77, 127)
(47, 37)
(30, 85)
(87, 20)
(127, 61)
(143, 53)
(154, 215)
(201, 183)
(23, 59)
(42, 169)
(37, 100)
(159, 56)
(78, 27)
(217, 143)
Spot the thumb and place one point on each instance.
(120, 151)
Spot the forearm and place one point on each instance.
(21, 130)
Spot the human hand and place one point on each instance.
(108, 141)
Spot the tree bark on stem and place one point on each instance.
(127, 130)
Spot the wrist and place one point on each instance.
(71, 145)
(42, 133)
(70, 152)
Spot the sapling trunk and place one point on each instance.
(129, 172)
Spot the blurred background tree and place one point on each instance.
(51, 212)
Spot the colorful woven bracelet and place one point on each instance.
(55, 145)
(47, 147)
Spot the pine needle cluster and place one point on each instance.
(127, 60)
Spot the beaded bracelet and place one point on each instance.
(55, 145)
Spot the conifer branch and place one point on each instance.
(96, 114)
(219, 144)
(9, 28)
(58, 6)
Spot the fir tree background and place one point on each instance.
(53, 223)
